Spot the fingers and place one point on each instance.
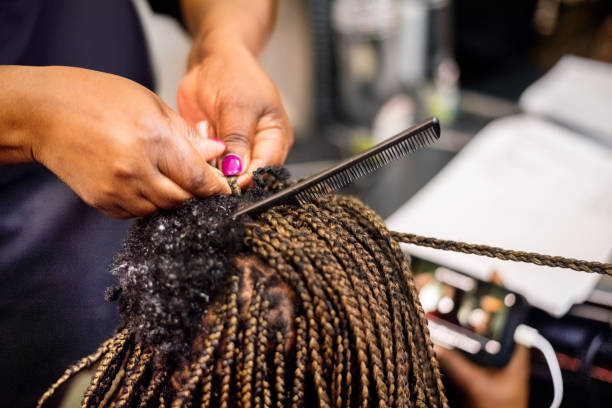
(157, 191)
(187, 168)
(243, 109)
(198, 135)
(115, 212)
(519, 362)
(209, 149)
(202, 128)
(496, 278)
(164, 193)
(180, 171)
(270, 149)
(460, 370)
(135, 207)
(187, 102)
(166, 186)
(140, 207)
(236, 127)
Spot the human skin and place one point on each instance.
(121, 148)
(115, 143)
(506, 387)
(483, 387)
(227, 87)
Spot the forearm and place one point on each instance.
(17, 112)
(228, 23)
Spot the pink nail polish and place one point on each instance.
(231, 165)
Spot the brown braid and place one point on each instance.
(299, 376)
(230, 349)
(84, 363)
(379, 299)
(505, 254)
(279, 362)
(322, 310)
(201, 371)
(370, 308)
(433, 378)
(105, 373)
(134, 370)
(261, 386)
(354, 308)
(248, 363)
(149, 393)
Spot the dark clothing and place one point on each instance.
(55, 250)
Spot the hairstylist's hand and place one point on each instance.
(228, 88)
(114, 142)
(485, 387)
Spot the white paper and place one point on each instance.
(576, 92)
(524, 184)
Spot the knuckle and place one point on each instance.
(206, 190)
(236, 139)
(153, 126)
(165, 196)
(176, 199)
(143, 212)
(122, 169)
(196, 180)
(99, 199)
(167, 202)
(93, 202)
(140, 207)
(107, 208)
(156, 135)
(154, 132)
(229, 99)
(118, 214)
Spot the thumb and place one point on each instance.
(236, 127)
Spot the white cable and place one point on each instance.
(529, 337)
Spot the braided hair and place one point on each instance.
(299, 306)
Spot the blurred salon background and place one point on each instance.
(535, 73)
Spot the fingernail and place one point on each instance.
(202, 128)
(231, 165)
(218, 141)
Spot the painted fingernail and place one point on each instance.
(231, 165)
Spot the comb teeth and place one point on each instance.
(366, 166)
(347, 171)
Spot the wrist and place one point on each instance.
(220, 42)
(228, 24)
(18, 113)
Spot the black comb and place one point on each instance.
(352, 168)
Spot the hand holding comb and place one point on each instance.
(352, 168)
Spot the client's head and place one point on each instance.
(298, 306)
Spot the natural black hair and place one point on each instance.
(297, 306)
(173, 263)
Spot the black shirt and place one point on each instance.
(54, 249)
